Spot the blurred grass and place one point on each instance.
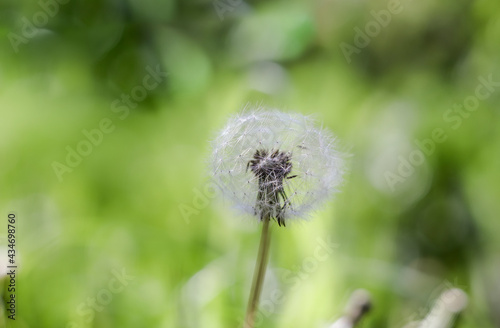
(120, 208)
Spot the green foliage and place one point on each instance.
(81, 90)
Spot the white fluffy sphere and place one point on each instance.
(268, 162)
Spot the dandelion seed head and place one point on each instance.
(272, 164)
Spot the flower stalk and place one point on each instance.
(259, 274)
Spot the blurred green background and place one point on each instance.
(107, 111)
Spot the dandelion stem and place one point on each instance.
(259, 274)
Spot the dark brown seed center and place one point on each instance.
(271, 168)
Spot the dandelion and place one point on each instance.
(275, 166)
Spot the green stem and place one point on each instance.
(259, 274)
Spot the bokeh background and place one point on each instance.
(106, 170)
